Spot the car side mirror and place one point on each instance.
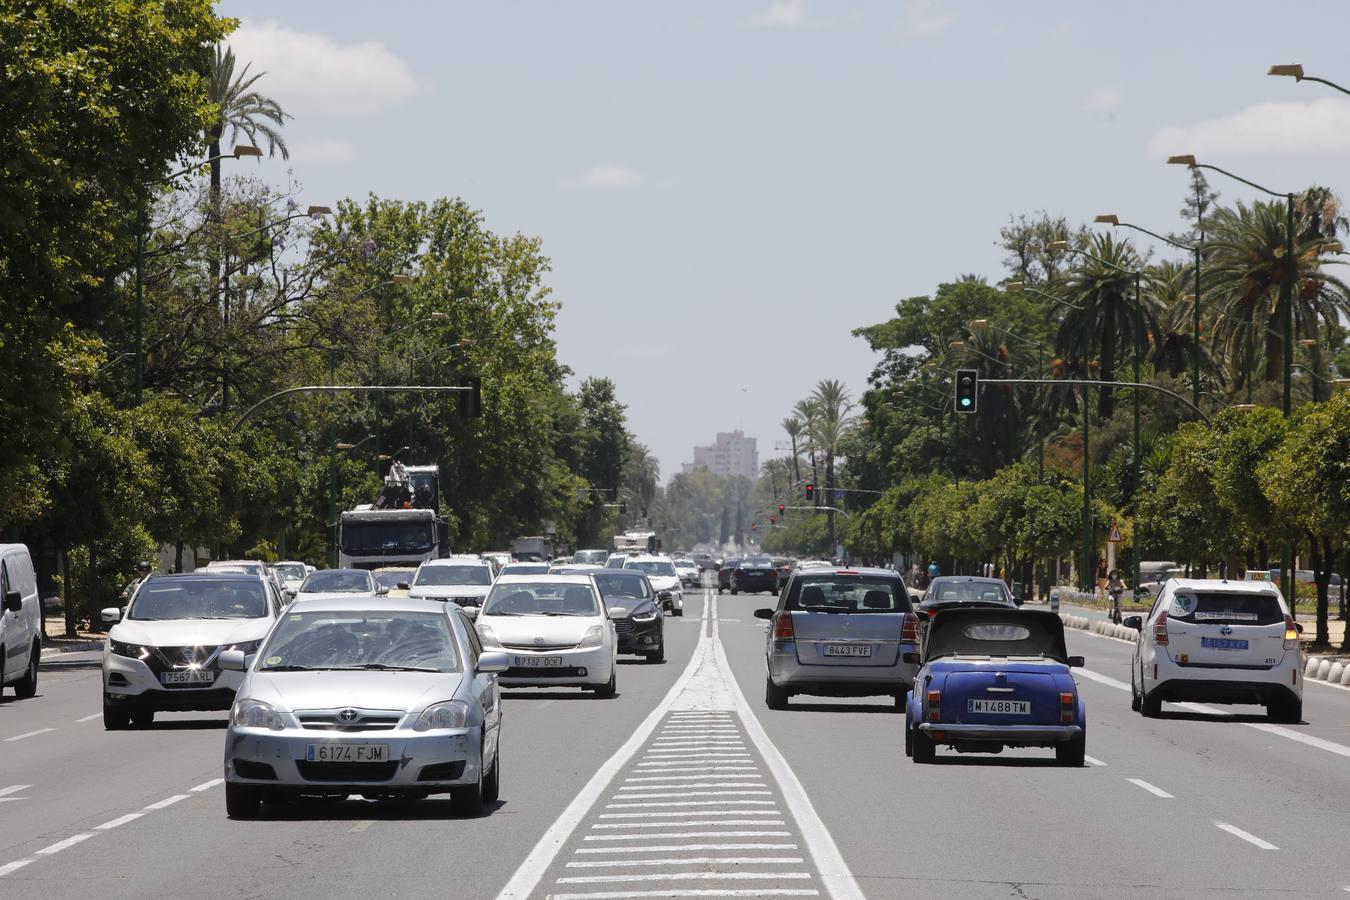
(13, 601)
(403, 586)
(922, 614)
(493, 661)
(1298, 626)
(910, 658)
(1077, 662)
(1017, 600)
(232, 660)
(381, 590)
(665, 596)
(110, 615)
(764, 613)
(1135, 622)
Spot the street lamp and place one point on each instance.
(239, 152)
(1295, 71)
(312, 212)
(1114, 221)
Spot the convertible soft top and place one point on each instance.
(996, 632)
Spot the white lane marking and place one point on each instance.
(20, 863)
(719, 823)
(685, 876)
(702, 813)
(14, 789)
(206, 785)
(673, 835)
(694, 777)
(62, 845)
(679, 848)
(531, 871)
(641, 789)
(647, 796)
(362, 825)
(834, 872)
(167, 801)
(665, 766)
(1103, 679)
(698, 742)
(691, 803)
(686, 861)
(1151, 788)
(1245, 835)
(1093, 761)
(727, 892)
(97, 715)
(28, 734)
(1291, 734)
(729, 753)
(120, 820)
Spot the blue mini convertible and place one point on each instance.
(995, 678)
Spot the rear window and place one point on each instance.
(1217, 608)
(848, 593)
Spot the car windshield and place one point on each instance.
(944, 592)
(1232, 608)
(656, 567)
(337, 581)
(614, 585)
(541, 598)
(250, 568)
(597, 557)
(367, 538)
(757, 562)
(452, 575)
(291, 571)
(361, 640)
(1000, 633)
(526, 569)
(848, 594)
(199, 598)
(391, 580)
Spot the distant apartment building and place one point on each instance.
(731, 454)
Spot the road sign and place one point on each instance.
(1114, 534)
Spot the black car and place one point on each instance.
(635, 610)
(754, 573)
(724, 574)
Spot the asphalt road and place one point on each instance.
(687, 785)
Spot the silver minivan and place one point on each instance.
(840, 633)
(20, 622)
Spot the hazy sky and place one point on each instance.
(726, 189)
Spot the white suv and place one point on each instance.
(463, 580)
(661, 572)
(1217, 641)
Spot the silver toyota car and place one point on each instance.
(840, 633)
(373, 696)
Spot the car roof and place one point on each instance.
(869, 571)
(457, 561)
(343, 571)
(977, 579)
(360, 602)
(234, 562)
(648, 557)
(1220, 584)
(394, 569)
(203, 575)
(545, 579)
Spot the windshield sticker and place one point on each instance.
(1183, 604)
(1227, 614)
(273, 660)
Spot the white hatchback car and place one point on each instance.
(462, 580)
(556, 630)
(1217, 641)
(163, 654)
(661, 572)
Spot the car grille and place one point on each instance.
(378, 720)
(467, 601)
(538, 647)
(542, 673)
(624, 626)
(346, 771)
(167, 659)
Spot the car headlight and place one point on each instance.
(256, 714)
(648, 616)
(134, 651)
(447, 714)
(248, 648)
(594, 637)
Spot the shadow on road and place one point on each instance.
(67, 665)
(1013, 762)
(524, 695)
(432, 808)
(637, 661)
(873, 709)
(1185, 715)
(184, 725)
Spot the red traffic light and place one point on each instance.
(781, 509)
(810, 492)
(773, 520)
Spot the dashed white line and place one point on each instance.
(62, 845)
(14, 789)
(97, 715)
(167, 801)
(1093, 761)
(1151, 788)
(1245, 835)
(686, 861)
(676, 848)
(206, 785)
(685, 876)
(28, 734)
(120, 820)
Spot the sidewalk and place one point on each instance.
(1335, 627)
(57, 641)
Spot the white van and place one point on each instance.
(20, 628)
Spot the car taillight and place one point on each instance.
(1066, 705)
(1160, 630)
(934, 705)
(909, 629)
(1290, 633)
(782, 627)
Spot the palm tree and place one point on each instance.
(829, 427)
(1175, 347)
(794, 427)
(642, 471)
(240, 108)
(1107, 310)
(806, 411)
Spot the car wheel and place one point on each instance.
(143, 718)
(909, 737)
(242, 801)
(680, 612)
(719, 589)
(115, 718)
(1150, 705)
(468, 801)
(1285, 710)
(734, 592)
(26, 686)
(900, 700)
(659, 654)
(1071, 753)
(775, 697)
(922, 748)
(1135, 702)
(609, 688)
(492, 785)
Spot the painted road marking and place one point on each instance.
(97, 715)
(20, 863)
(686, 861)
(1093, 761)
(62, 845)
(1151, 788)
(1245, 835)
(13, 789)
(28, 734)
(639, 895)
(685, 834)
(207, 785)
(362, 825)
(120, 820)
(689, 777)
(167, 801)
(684, 876)
(704, 813)
(690, 803)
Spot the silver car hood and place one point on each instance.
(402, 691)
(189, 632)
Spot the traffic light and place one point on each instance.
(781, 509)
(967, 390)
(471, 401)
(623, 509)
(810, 492)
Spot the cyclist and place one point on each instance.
(1115, 587)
